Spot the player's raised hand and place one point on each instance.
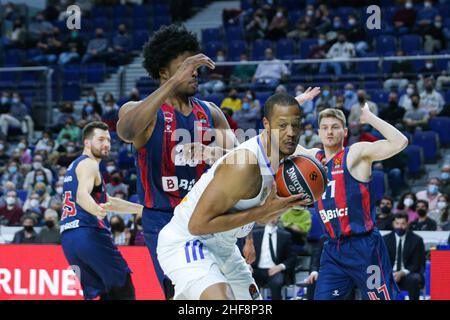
(365, 114)
(308, 95)
(190, 65)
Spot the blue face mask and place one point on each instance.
(399, 231)
(12, 170)
(40, 192)
(5, 100)
(325, 93)
(348, 94)
(14, 100)
(246, 106)
(40, 179)
(91, 99)
(89, 109)
(321, 42)
(445, 176)
(433, 189)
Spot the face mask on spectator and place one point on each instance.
(110, 168)
(40, 178)
(310, 12)
(385, 210)
(428, 65)
(325, 93)
(10, 201)
(70, 149)
(59, 190)
(400, 231)
(117, 226)
(34, 203)
(321, 42)
(410, 91)
(348, 94)
(441, 205)
(408, 202)
(115, 179)
(89, 109)
(422, 212)
(37, 165)
(433, 189)
(445, 176)
(438, 24)
(351, 22)
(246, 106)
(408, 5)
(21, 145)
(14, 100)
(40, 192)
(12, 169)
(361, 99)
(220, 58)
(308, 133)
(299, 92)
(91, 98)
(279, 14)
(336, 24)
(427, 4)
(49, 223)
(5, 100)
(28, 228)
(249, 97)
(108, 109)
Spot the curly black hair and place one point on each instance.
(165, 45)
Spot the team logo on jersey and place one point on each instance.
(336, 293)
(168, 119)
(202, 117)
(254, 293)
(327, 215)
(337, 163)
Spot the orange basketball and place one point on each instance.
(301, 174)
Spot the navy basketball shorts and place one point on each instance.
(100, 264)
(360, 261)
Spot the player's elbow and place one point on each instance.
(403, 143)
(125, 131)
(196, 228)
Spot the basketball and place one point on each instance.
(301, 173)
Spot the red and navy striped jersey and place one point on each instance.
(163, 177)
(347, 206)
(74, 216)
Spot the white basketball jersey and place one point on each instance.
(184, 210)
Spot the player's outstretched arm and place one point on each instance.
(86, 172)
(136, 117)
(393, 143)
(118, 205)
(231, 183)
(302, 150)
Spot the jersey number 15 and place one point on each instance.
(69, 209)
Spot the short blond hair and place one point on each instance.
(333, 113)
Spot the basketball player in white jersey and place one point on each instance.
(197, 249)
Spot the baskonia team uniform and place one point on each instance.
(161, 183)
(87, 241)
(194, 263)
(355, 253)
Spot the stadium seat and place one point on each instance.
(367, 67)
(141, 24)
(285, 49)
(415, 160)
(235, 49)
(159, 21)
(233, 34)
(378, 184)
(384, 44)
(216, 98)
(258, 48)
(71, 92)
(210, 48)
(441, 125)
(294, 16)
(101, 22)
(305, 47)
(429, 141)
(139, 38)
(211, 34)
(94, 73)
(410, 43)
(22, 194)
(161, 10)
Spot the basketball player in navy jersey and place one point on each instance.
(164, 176)
(85, 232)
(355, 254)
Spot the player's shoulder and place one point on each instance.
(88, 164)
(242, 162)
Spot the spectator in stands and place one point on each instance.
(27, 235)
(297, 221)
(304, 29)
(134, 95)
(424, 223)
(443, 81)
(12, 174)
(51, 47)
(250, 113)
(426, 15)
(404, 18)
(257, 27)
(356, 134)
(441, 213)
(71, 152)
(326, 97)
(5, 102)
(73, 48)
(216, 78)
(11, 211)
(307, 106)
(4, 189)
(242, 73)
(322, 19)
(17, 37)
(340, 104)
(384, 215)
(405, 100)
(431, 100)
(94, 101)
(269, 74)
(57, 196)
(278, 25)
(40, 28)
(309, 138)
(110, 169)
(350, 97)
(23, 152)
(356, 35)
(120, 234)
(137, 233)
(400, 70)
(274, 257)
(97, 49)
(280, 89)
(121, 46)
(428, 71)
(318, 51)
(4, 156)
(43, 143)
(407, 204)
(40, 177)
(31, 176)
(66, 111)
(434, 36)
(337, 26)
(342, 49)
(89, 113)
(417, 116)
(407, 254)
(50, 233)
(117, 184)
(70, 131)
(355, 111)
(228, 112)
(110, 113)
(18, 117)
(33, 207)
(232, 101)
(393, 114)
(445, 179)
(431, 194)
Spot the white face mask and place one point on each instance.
(442, 205)
(59, 190)
(10, 201)
(110, 168)
(408, 202)
(428, 65)
(408, 5)
(308, 133)
(34, 203)
(37, 165)
(410, 91)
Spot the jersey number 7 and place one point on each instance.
(68, 206)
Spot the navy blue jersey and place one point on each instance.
(73, 216)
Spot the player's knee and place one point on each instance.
(218, 291)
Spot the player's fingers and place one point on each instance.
(273, 191)
(295, 197)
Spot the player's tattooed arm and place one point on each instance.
(86, 173)
(393, 143)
